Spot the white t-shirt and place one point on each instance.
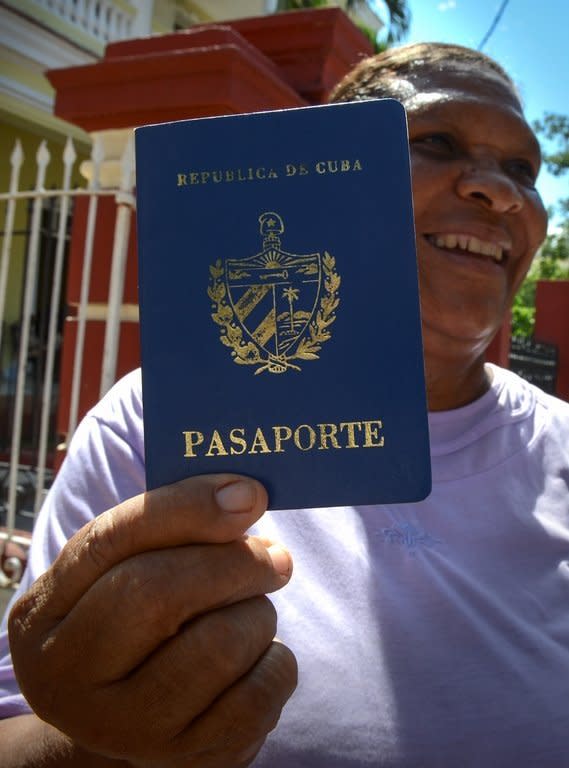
(427, 635)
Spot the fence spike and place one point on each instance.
(16, 160)
(97, 156)
(43, 157)
(127, 165)
(69, 153)
(17, 156)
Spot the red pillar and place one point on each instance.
(270, 62)
(552, 326)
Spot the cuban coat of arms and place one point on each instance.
(274, 307)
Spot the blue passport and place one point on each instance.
(280, 322)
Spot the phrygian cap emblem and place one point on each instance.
(274, 307)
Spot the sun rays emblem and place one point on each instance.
(274, 307)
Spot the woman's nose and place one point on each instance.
(488, 183)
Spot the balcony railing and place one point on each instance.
(103, 20)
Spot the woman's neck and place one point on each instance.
(452, 384)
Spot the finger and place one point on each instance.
(246, 756)
(234, 728)
(187, 674)
(146, 711)
(209, 508)
(245, 713)
(145, 600)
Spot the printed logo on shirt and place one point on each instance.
(409, 536)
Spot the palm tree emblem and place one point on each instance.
(291, 294)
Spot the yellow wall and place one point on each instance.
(229, 9)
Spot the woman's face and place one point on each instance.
(479, 219)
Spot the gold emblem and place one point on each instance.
(274, 307)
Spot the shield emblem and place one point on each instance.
(274, 296)
(274, 307)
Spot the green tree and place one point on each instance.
(399, 15)
(399, 19)
(555, 128)
(552, 261)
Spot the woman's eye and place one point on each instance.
(523, 170)
(440, 142)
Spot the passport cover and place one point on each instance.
(280, 320)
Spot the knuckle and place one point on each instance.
(259, 617)
(234, 637)
(235, 726)
(281, 668)
(271, 683)
(238, 569)
(24, 618)
(145, 585)
(29, 636)
(99, 542)
(19, 619)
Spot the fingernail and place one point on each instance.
(239, 496)
(281, 559)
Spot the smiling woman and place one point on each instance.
(479, 219)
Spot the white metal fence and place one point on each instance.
(19, 475)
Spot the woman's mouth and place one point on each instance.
(475, 246)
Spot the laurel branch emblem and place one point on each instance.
(274, 307)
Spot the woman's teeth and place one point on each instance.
(470, 244)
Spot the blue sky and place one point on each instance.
(530, 42)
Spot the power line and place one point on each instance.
(494, 24)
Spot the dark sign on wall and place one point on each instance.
(535, 361)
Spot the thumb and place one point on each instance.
(205, 509)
